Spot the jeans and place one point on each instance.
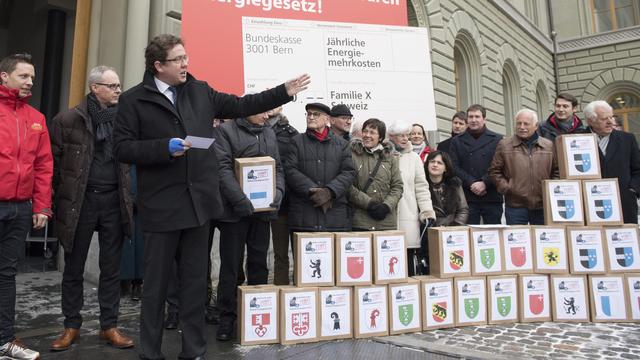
(523, 216)
(15, 223)
(489, 212)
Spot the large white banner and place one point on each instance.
(378, 71)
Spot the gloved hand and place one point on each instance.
(277, 200)
(431, 222)
(177, 147)
(326, 206)
(320, 196)
(378, 211)
(243, 208)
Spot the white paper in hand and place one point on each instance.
(198, 142)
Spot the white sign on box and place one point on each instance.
(300, 316)
(608, 298)
(372, 309)
(439, 304)
(316, 260)
(603, 201)
(582, 155)
(258, 184)
(391, 256)
(487, 255)
(551, 249)
(536, 298)
(356, 258)
(566, 201)
(503, 298)
(405, 306)
(518, 254)
(587, 252)
(472, 301)
(261, 316)
(456, 252)
(570, 295)
(622, 243)
(376, 70)
(335, 312)
(633, 285)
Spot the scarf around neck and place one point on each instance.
(102, 119)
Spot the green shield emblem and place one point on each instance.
(504, 305)
(487, 257)
(406, 314)
(471, 307)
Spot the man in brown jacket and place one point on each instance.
(92, 193)
(519, 165)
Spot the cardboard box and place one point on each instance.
(370, 311)
(517, 247)
(578, 156)
(608, 298)
(438, 305)
(562, 202)
(569, 298)
(535, 299)
(487, 251)
(633, 292)
(336, 318)
(471, 301)
(623, 248)
(404, 307)
(258, 311)
(257, 178)
(550, 246)
(587, 254)
(449, 251)
(602, 202)
(502, 299)
(353, 258)
(299, 315)
(314, 259)
(389, 257)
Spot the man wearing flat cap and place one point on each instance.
(319, 173)
(341, 121)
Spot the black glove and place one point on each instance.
(431, 222)
(377, 211)
(319, 196)
(277, 200)
(243, 208)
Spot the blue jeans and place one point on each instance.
(489, 212)
(523, 216)
(15, 223)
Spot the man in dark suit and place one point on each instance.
(619, 156)
(472, 152)
(178, 189)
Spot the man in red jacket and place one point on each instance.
(26, 169)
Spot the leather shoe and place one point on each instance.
(212, 316)
(171, 323)
(117, 339)
(225, 331)
(68, 337)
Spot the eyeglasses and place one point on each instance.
(314, 114)
(182, 59)
(114, 86)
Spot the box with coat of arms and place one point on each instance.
(503, 299)
(602, 202)
(314, 259)
(578, 156)
(370, 311)
(562, 202)
(587, 254)
(335, 313)
(569, 297)
(471, 301)
(633, 292)
(353, 258)
(550, 250)
(623, 248)
(517, 247)
(389, 257)
(487, 251)
(404, 307)
(437, 302)
(258, 315)
(535, 299)
(449, 251)
(299, 315)
(608, 298)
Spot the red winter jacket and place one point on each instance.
(26, 164)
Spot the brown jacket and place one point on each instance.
(518, 172)
(72, 147)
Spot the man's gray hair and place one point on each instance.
(399, 127)
(528, 112)
(95, 75)
(590, 110)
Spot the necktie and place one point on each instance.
(174, 94)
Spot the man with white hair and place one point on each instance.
(519, 165)
(619, 156)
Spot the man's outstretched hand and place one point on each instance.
(298, 84)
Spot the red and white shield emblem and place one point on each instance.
(300, 323)
(518, 256)
(260, 322)
(355, 266)
(536, 303)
